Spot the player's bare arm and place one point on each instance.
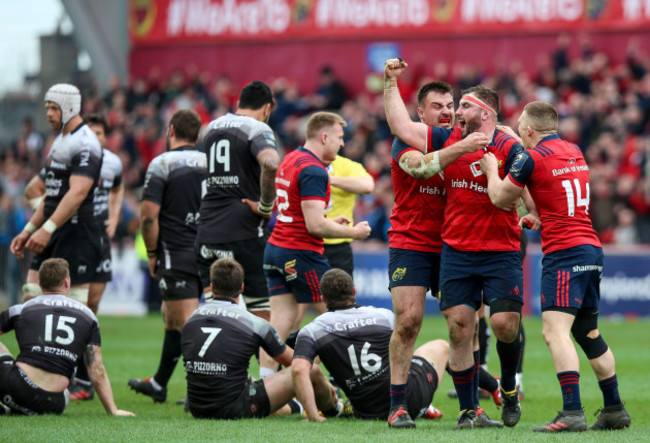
(35, 191)
(79, 187)
(149, 212)
(355, 185)
(502, 193)
(300, 373)
(425, 166)
(410, 132)
(115, 198)
(99, 379)
(532, 220)
(269, 159)
(317, 224)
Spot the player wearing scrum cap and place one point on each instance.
(480, 253)
(64, 225)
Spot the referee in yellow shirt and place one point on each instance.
(347, 179)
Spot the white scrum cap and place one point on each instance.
(67, 97)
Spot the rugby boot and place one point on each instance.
(432, 413)
(566, 421)
(145, 387)
(80, 390)
(399, 418)
(466, 420)
(511, 412)
(611, 417)
(483, 421)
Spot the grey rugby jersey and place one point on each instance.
(232, 144)
(53, 331)
(353, 345)
(76, 153)
(110, 177)
(218, 341)
(174, 181)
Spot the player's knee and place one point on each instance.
(408, 328)
(585, 332)
(31, 290)
(79, 294)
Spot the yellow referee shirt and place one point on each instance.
(342, 202)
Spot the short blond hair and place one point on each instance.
(320, 120)
(541, 116)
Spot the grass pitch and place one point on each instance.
(131, 348)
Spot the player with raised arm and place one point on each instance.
(480, 255)
(352, 342)
(293, 258)
(169, 215)
(219, 340)
(557, 175)
(53, 333)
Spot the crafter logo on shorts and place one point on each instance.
(290, 270)
(398, 274)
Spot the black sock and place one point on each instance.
(464, 388)
(509, 356)
(483, 339)
(82, 374)
(171, 352)
(487, 381)
(475, 377)
(609, 388)
(522, 334)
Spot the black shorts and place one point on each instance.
(25, 398)
(249, 253)
(178, 285)
(422, 384)
(80, 244)
(340, 256)
(104, 272)
(253, 402)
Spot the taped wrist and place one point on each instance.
(265, 208)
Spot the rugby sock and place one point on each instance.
(265, 372)
(522, 334)
(609, 386)
(464, 387)
(397, 395)
(171, 352)
(570, 384)
(509, 356)
(475, 376)
(82, 374)
(487, 381)
(483, 340)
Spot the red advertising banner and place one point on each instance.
(158, 22)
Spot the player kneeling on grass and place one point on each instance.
(218, 342)
(352, 342)
(53, 332)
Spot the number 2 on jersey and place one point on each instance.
(219, 153)
(574, 198)
(369, 362)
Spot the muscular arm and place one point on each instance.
(423, 166)
(317, 224)
(502, 193)
(35, 191)
(115, 198)
(269, 159)
(285, 358)
(355, 185)
(149, 212)
(80, 185)
(300, 369)
(410, 132)
(99, 379)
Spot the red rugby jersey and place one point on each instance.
(416, 220)
(472, 222)
(301, 176)
(557, 177)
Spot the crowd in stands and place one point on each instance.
(604, 108)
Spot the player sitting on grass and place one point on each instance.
(352, 342)
(218, 342)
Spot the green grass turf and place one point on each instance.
(131, 348)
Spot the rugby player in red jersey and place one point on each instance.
(293, 258)
(480, 255)
(557, 176)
